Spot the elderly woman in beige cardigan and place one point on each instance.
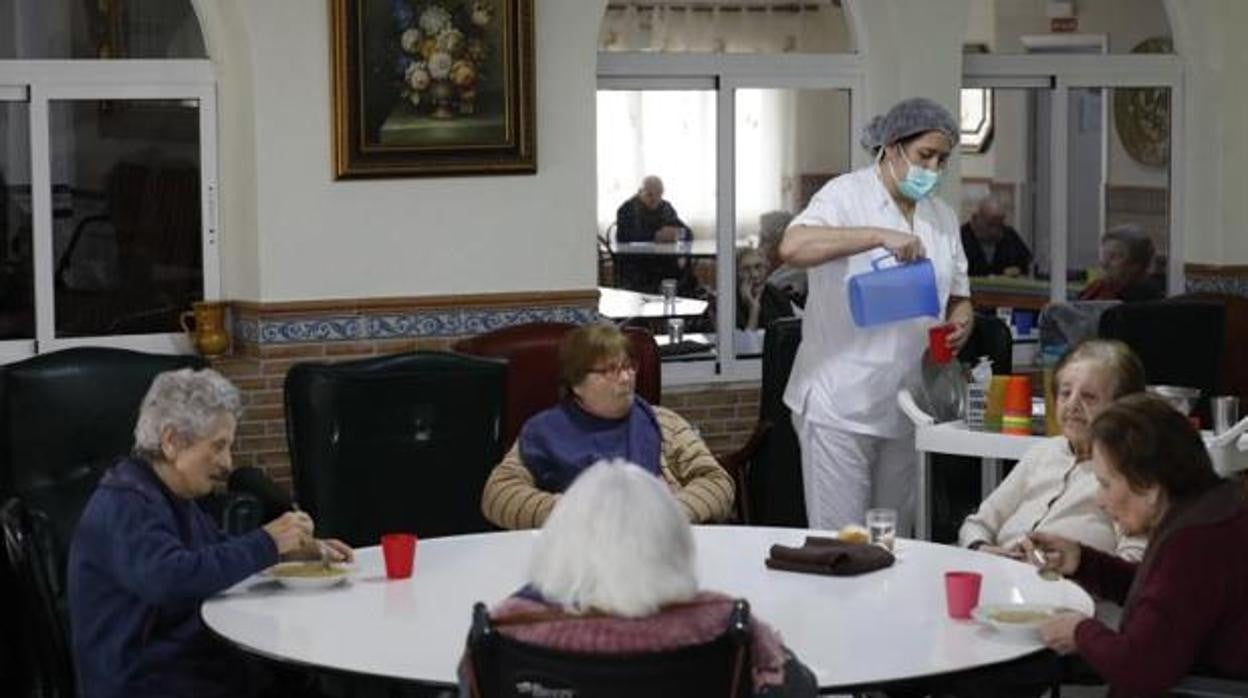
(601, 418)
(1053, 488)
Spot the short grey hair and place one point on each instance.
(617, 542)
(187, 400)
(771, 226)
(1139, 245)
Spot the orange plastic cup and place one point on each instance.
(1017, 408)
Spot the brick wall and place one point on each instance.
(724, 413)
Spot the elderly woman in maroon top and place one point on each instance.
(1186, 603)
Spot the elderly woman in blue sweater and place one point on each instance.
(145, 555)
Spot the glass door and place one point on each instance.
(17, 293)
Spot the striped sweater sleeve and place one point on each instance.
(511, 498)
(703, 488)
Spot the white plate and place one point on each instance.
(340, 575)
(1012, 618)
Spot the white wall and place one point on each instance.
(291, 232)
(1209, 35)
(317, 238)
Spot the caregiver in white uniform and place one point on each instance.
(857, 446)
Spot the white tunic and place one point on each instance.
(845, 376)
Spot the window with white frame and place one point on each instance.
(740, 141)
(107, 175)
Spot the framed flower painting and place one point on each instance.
(433, 88)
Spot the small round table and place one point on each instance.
(851, 631)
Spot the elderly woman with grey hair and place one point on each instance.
(613, 572)
(857, 446)
(145, 555)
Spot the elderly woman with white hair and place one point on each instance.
(145, 554)
(613, 572)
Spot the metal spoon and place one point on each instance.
(321, 548)
(1048, 573)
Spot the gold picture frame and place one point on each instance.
(433, 88)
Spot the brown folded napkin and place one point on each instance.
(829, 556)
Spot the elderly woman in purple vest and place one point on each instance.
(614, 572)
(601, 417)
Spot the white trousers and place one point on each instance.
(844, 474)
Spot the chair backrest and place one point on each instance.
(503, 667)
(531, 352)
(394, 443)
(1178, 341)
(73, 408)
(775, 475)
(64, 417)
(990, 337)
(37, 570)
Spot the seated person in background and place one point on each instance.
(1053, 487)
(144, 555)
(599, 418)
(790, 279)
(1184, 605)
(1126, 260)
(646, 217)
(614, 573)
(758, 302)
(991, 246)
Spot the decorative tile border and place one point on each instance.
(1237, 286)
(1208, 278)
(352, 321)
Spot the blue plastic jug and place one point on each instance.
(894, 293)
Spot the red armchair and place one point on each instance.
(531, 351)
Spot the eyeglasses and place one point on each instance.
(616, 369)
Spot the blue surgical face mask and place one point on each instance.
(919, 181)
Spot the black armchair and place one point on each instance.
(1179, 341)
(36, 554)
(395, 443)
(768, 469)
(68, 409)
(502, 667)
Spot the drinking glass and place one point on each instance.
(675, 330)
(1225, 413)
(882, 527)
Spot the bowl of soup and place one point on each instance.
(1020, 619)
(308, 575)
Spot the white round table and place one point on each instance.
(883, 626)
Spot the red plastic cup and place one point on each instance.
(962, 593)
(399, 550)
(938, 343)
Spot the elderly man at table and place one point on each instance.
(992, 246)
(647, 217)
(601, 417)
(789, 279)
(145, 554)
(1053, 487)
(619, 545)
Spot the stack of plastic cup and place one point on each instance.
(1016, 417)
